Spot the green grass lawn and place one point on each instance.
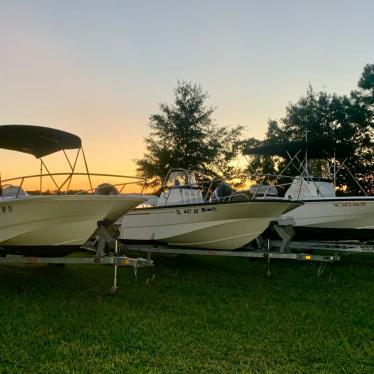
(200, 315)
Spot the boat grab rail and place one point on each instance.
(137, 181)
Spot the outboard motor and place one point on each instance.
(106, 189)
(222, 192)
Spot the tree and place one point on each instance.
(265, 164)
(343, 119)
(365, 95)
(366, 81)
(184, 135)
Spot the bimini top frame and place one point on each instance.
(301, 152)
(314, 149)
(41, 141)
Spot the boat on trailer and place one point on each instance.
(200, 215)
(57, 224)
(323, 216)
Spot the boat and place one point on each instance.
(188, 214)
(323, 216)
(55, 224)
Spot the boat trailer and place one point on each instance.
(119, 259)
(115, 259)
(347, 247)
(284, 249)
(288, 245)
(245, 252)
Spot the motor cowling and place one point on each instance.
(106, 189)
(222, 192)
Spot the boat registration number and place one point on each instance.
(6, 209)
(195, 210)
(349, 204)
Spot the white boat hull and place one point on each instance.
(66, 220)
(225, 226)
(349, 218)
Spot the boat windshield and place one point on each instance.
(180, 177)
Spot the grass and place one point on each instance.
(200, 315)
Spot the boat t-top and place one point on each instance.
(52, 224)
(323, 216)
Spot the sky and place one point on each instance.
(99, 69)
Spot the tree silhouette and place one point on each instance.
(184, 135)
(347, 120)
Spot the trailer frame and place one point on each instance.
(265, 251)
(116, 260)
(286, 243)
(348, 247)
(246, 253)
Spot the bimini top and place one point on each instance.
(37, 140)
(318, 149)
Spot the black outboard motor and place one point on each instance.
(106, 189)
(222, 192)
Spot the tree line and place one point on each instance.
(185, 135)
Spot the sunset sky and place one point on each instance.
(100, 68)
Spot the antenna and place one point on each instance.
(334, 161)
(306, 151)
